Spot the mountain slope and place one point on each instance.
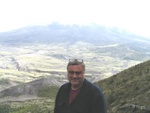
(128, 88)
(31, 88)
(70, 33)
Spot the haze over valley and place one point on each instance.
(41, 51)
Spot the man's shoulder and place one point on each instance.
(90, 84)
(65, 85)
(93, 87)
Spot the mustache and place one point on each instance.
(75, 79)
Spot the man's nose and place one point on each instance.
(74, 75)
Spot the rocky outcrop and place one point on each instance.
(129, 108)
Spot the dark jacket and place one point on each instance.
(89, 100)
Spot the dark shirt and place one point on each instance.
(72, 95)
(90, 99)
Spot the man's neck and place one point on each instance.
(75, 88)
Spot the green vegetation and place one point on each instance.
(47, 91)
(4, 81)
(23, 109)
(42, 105)
(130, 86)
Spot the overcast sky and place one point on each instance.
(132, 15)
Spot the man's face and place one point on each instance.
(76, 75)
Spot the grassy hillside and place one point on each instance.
(128, 89)
(33, 97)
(43, 103)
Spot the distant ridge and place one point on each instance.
(31, 88)
(70, 33)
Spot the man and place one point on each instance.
(79, 95)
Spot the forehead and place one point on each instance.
(75, 67)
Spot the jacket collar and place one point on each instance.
(83, 91)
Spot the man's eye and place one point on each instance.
(78, 73)
(73, 72)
